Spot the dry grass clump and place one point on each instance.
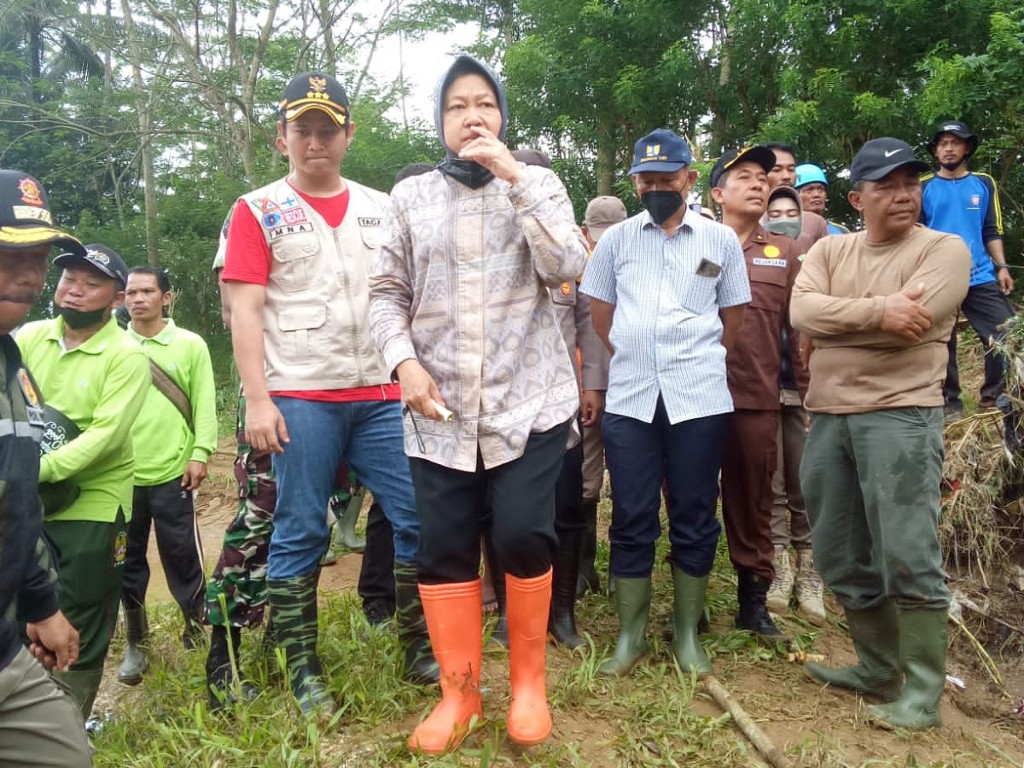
(983, 483)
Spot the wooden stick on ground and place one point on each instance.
(775, 757)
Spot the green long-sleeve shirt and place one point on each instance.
(100, 385)
(164, 444)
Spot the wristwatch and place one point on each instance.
(1002, 266)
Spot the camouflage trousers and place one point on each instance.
(239, 579)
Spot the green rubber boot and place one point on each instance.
(633, 604)
(687, 610)
(420, 666)
(293, 602)
(83, 684)
(345, 529)
(922, 633)
(876, 640)
(136, 631)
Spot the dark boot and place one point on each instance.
(633, 604)
(588, 579)
(293, 602)
(687, 611)
(877, 643)
(377, 574)
(562, 618)
(500, 632)
(922, 642)
(753, 616)
(420, 666)
(135, 663)
(221, 663)
(194, 636)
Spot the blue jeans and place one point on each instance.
(367, 435)
(688, 457)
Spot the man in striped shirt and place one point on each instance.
(668, 290)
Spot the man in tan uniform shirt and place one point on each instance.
(878, 307)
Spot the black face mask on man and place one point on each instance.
(76, 319)
(661, 204)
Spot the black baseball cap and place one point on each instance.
(25, 217)
(880, 157)
(99, 257)
(763, 156)
(958, 129)
(315, 90)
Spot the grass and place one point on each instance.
(655, 717)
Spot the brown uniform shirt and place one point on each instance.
(754, 364)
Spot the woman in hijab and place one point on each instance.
(460, 311)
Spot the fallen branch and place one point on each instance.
(775, 757)
(986, 660)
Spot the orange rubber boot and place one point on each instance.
(453, 613)
(528, 602)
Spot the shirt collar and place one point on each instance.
(164, 337)
(689, 217)
(94, 345)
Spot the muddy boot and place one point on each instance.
(810, 601)
(529, 719)
(922, 641)
(221, 663)
(455, 623)
(877, 643)
(633, 604)
(194, 636)
(562, 620)
(83, 684)
(135, 663)
(293, 602)
(687, 611)
(419, 666)
(588, 579)
(753, 616)
(345, 537)
(781, 589)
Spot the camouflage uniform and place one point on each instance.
(240, 575)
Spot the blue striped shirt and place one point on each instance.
(666, 331)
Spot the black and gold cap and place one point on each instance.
(315, 90)
(25, 218)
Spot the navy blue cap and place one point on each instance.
(660, 151)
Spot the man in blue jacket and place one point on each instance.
(962, 202)
(39, 722)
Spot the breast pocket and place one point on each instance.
(304, 338)
(564, 295)
(294, 257)
(700, 294)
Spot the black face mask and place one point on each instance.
(467, 172)
(662, 204)
(77, 320)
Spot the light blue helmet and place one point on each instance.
(809, 173)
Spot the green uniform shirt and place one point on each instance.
(163, 442)
(100, 385)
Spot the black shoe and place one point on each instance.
(753, 616)
(219, 674)
(378, 612)
(194, 636)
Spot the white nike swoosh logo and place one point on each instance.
(890, 154)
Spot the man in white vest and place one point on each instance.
(317, 390)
